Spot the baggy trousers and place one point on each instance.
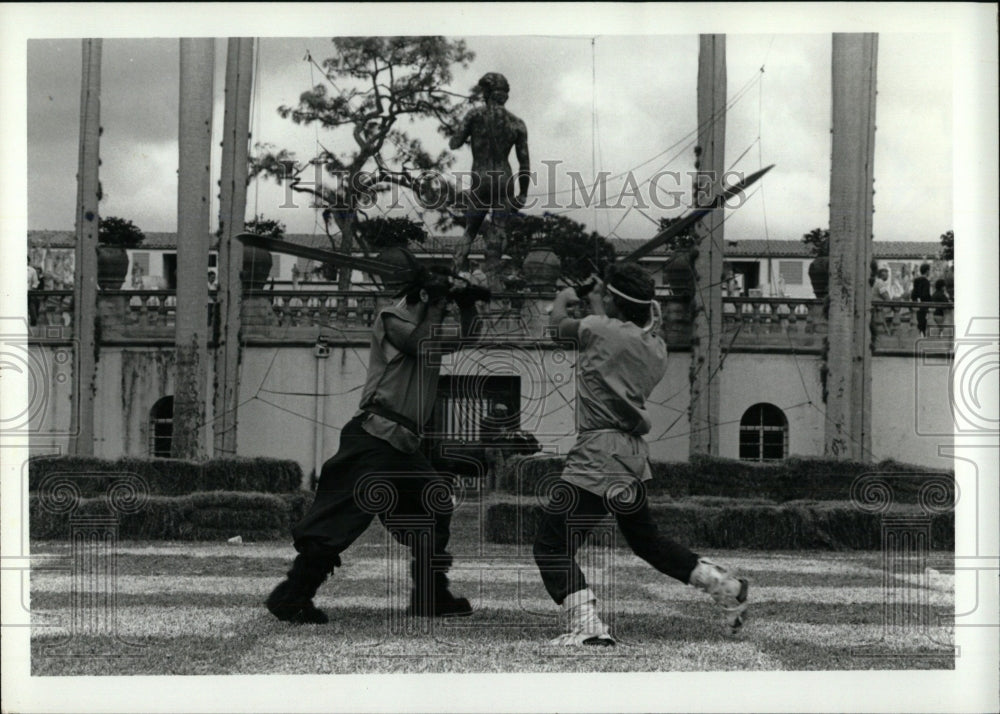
(561, 533)
(368, 477)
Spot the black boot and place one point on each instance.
(291, 600)
(434, 599)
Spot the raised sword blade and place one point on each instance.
(693, 216)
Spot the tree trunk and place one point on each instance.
(346, 225)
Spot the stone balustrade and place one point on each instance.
(748, 324)
(796, 324)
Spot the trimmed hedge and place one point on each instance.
(171, 477)
(209, 516)
(793, 479)
(736, 524)
(297, 503)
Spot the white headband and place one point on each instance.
(622, 295)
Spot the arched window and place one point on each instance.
(763, 433)
(161, 427)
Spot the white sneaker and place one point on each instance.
(727, 590)
(584, 625)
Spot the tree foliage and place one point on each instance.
(263, 226)
(580, 253)
(818, 240)
(371, 85)
(947, 246)
(382, 232)
(683, 240)
(120, 232)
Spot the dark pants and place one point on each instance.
(561, 534)
(922, 321)
(367, 477)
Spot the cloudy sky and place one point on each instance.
(592, 102)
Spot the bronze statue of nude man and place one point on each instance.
(492, 132)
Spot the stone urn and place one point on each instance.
(678, 273)
(256, 267)
(542, 267)
(112, 266)
(819, 276)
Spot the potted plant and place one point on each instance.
(257, 262)
(678, 271)
(818, 240)
(551, 246)
(114, 236)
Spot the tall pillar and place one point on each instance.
(197, 62)
(232, 211)
(706, 350)
(85, 270)
(848, 406)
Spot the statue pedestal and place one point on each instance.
(257, 310)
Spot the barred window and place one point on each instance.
(763, 433)
(790, 271)
(464, 402)
(140, 260)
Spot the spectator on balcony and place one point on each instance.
(476, 274)
(882, 287)
(895, 286)
(922, 293)
(32, 301)
(32, 276)
(137, 277)
(730, 288)
(940, 295)
(213, 283)
(882, 290)
(51, 305)
(905, 281)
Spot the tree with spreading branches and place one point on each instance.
(263, 226)
(380, 232)
(818, 240)
(581, 254)
(119, 231)
(371, 86)
(947, 246)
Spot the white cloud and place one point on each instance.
(643, 89)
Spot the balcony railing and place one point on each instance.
(748, 324)
(773, 323)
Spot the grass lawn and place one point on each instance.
(196, 608)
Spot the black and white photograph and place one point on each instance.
(500, 357)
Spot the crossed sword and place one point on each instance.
(395, 274)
